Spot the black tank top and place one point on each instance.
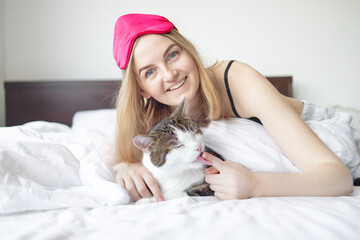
(255, 119)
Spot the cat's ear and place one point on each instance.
(180, 110)
(143, 142)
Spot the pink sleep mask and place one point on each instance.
(128, 27)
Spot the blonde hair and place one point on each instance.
(136, 115)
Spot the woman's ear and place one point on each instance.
(142, 92)
(145, 94)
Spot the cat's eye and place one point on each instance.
(179, 146)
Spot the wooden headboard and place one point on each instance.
(58, 101)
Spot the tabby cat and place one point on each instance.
(172, 153)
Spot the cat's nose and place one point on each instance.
(199, 148)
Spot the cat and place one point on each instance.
(172, 153)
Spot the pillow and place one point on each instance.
(248, 143)
(101, 120)
(355, 113)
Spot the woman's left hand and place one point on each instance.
(229, 180)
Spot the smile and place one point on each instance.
(177, 86)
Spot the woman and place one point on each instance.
(160, 68)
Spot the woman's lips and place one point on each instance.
(177, 86)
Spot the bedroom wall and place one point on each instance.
(317, 42)
(2, 75)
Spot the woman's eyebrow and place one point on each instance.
(168, 49)
(144, 68)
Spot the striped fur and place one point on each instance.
(170, 152)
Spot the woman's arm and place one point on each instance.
(137, 180)
(323, 174)
(134, 177)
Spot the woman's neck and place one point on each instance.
(196, 109)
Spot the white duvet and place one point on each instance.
(49, 166)
(39, 168)
(205, 218)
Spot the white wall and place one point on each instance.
(2, 75)
(317, 42)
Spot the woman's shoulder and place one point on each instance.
(239, 68)
(219, 66)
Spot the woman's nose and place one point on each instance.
(170, 74)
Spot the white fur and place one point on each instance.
(181, 170)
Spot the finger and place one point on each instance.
(121, 182)
(213, 178)
(220, 195)
(216, 162)
(211, 170)
(217, 188)
(130, 187)
(154, 187)
(141, 187)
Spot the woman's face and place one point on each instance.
(164, 70)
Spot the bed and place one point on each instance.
(43, 194)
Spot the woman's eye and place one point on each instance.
(173, 55)
(149, 73)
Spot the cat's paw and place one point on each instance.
(145, 201)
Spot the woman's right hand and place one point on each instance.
(137, 180)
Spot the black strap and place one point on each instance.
(228, 88)
(255, 119)
(357, 182)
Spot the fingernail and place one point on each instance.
(160, 199)
(204, 155)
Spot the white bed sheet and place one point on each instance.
(39, 170)
(196, 218)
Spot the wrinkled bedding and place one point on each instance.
(196, 218)
(40, 162)
(59, 171)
